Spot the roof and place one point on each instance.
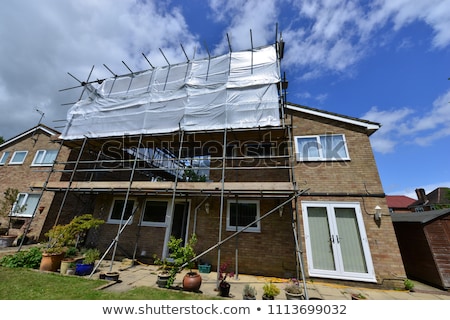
(40, 126)
(399, 201)
(437, 196)
(370, 126)
(420, 217)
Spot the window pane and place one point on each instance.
(25, 205)
(31, 204)
(242, 214)
(350, 240)
(333, 147)
(50, 156)
(4, 157)
(319, 231)
(155, 211)
(116, 213)
(18, 157)
(308, 148)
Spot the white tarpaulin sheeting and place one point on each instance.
(235, 90)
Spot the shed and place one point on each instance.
(424, 241)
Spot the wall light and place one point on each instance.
(377, 213)
(207, 208)
(280, 211)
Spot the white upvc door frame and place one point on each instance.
(334, 241)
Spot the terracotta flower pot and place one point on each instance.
(192, 281)
(51, 261)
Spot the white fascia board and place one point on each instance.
(50, 132)
(369, 126)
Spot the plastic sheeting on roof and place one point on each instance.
(235, 90)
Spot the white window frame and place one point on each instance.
(22, 199)
(156, 224)
(230, 227)
(15, 153)
(36, 156)
(4, 157)
(117, 221)
(321, 156)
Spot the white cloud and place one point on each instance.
(336, 35)
(42, 40)
(388, 136)
(240, 17)
(405, 126)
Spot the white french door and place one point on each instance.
(336, 241)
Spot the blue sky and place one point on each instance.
(386, 61)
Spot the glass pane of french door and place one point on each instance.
(321, 246)
(349, 239)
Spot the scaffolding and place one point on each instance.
(180, 164)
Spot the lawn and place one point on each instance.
(29, 284)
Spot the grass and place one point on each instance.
(29, 284)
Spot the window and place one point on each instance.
(155, 213)
(117, 208)
(321, 148)
(44, 157)
(4, 157)
(242, 213)
(18, 157)
(25, 205)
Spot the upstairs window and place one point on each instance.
(117, 209)
(44, 157)
(25, 205)
(18, 157)
(330, 147)
(4, 157)
(241, 214)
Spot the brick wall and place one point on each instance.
(21, 176)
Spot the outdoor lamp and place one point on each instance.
(207, 208)
(377, 213)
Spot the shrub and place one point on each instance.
(23, 259)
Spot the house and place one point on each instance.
(399, 204)
(436, 199)
(24, 160)
(424, 240)
(211, 147)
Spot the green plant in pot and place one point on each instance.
(270, 291)
(86, 265)
(60, 237)
(293, 290)
(249, 292)
(181, 257)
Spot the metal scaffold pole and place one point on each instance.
(119, 230)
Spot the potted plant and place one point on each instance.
(166, 272)
(270, 291)
(62, 236)
(69, 259)
(249, 292)
(86, 265)
(224, 286)
(183, 257)
(71, 268)
(293, 290)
